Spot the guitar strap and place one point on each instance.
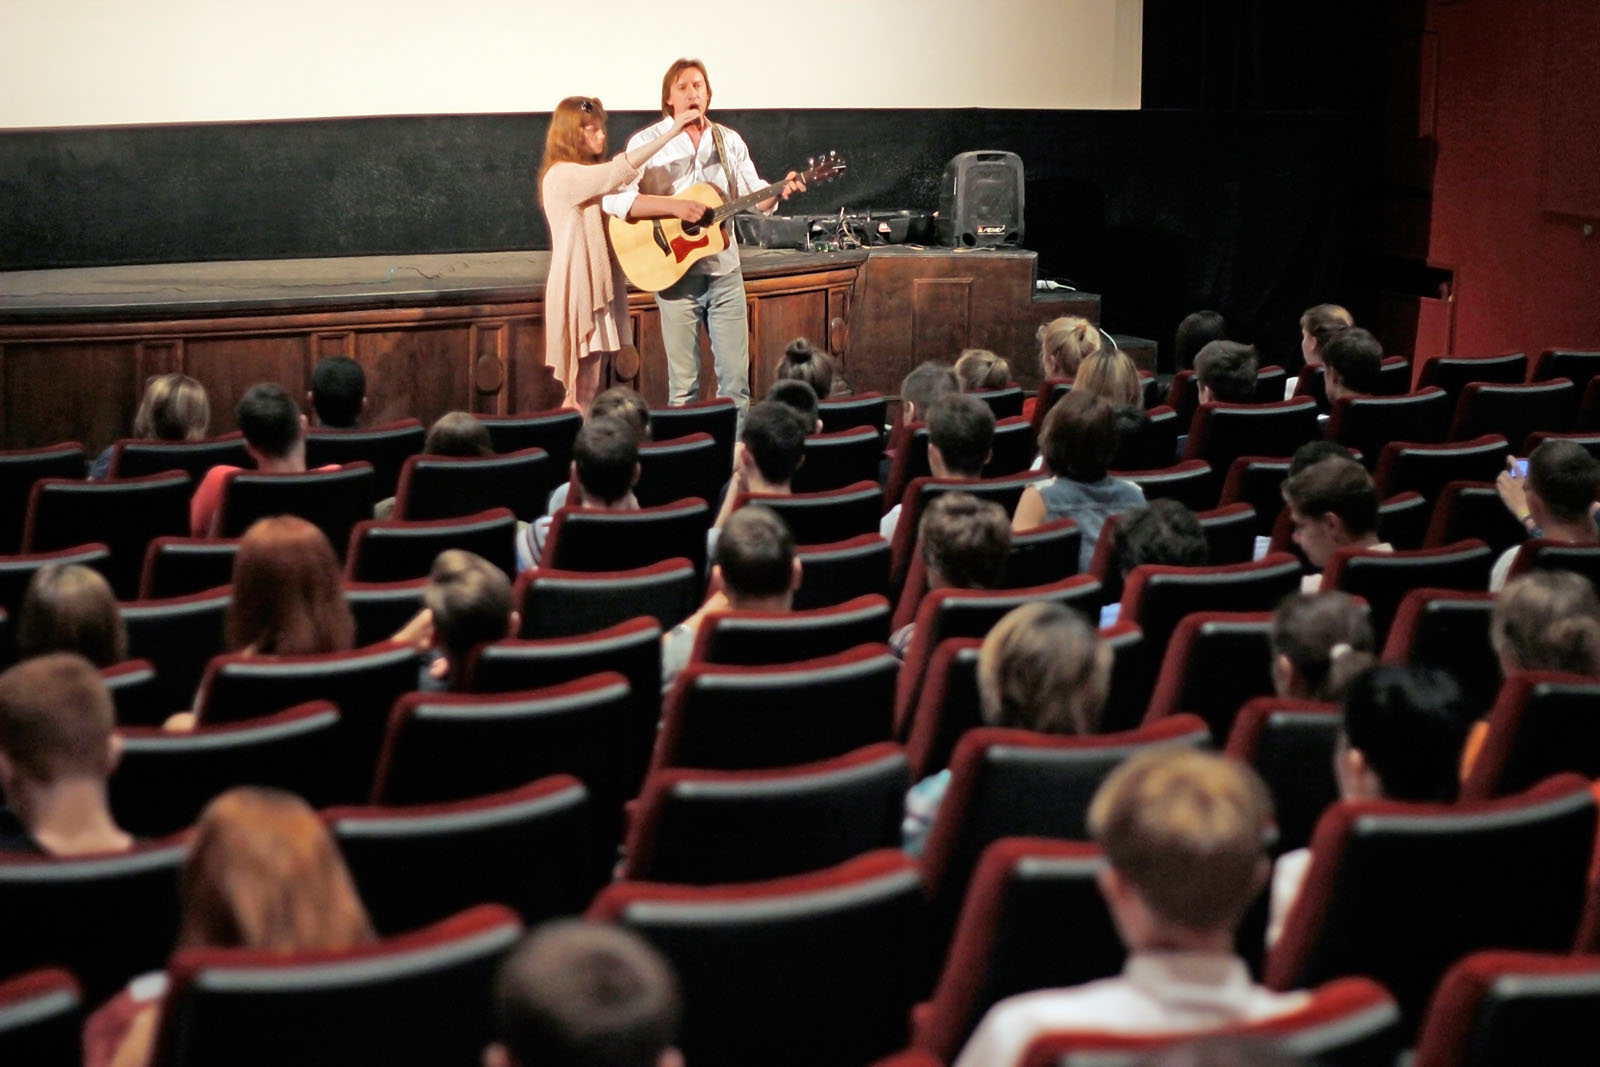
(727, 165)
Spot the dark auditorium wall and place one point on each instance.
(1518, 178)
(1161, 212)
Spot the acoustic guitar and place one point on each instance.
(655, 253)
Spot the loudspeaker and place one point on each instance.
(980, 200)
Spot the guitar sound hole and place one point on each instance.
(691, 228)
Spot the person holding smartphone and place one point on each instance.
(1552, 493)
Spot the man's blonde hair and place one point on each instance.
(56, 718)
(1187, 830)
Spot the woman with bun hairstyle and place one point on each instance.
(586, 294)
(980, 370)
(803, 361)
(1064, 343)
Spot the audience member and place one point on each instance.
(338, 392)
(1198, 329)
(960, 439)
(802, 361)
(274, 435)
(1079, 439)
(926, 383)
(585, 994)
(980, 371)
(1320, 641)
(1333, 504)
(1352, 364)
(263, 873)
(58, 745)
(964, 543)
(622, 403)
(174, 408)
(1184, 839)
(457, 433)
(1547, 621)
(288, 596)
(1401, 739)
(771, 447)
(1111, 374)
(801, 397)
(468, 603)
(71, 608)
(605, 466)
(1041, 668)
(1064, 343)
(1554, 500)
(1226, 373)
(1165, 532)
(1320, 324)
(753, 568)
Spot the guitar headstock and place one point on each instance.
(823, 169)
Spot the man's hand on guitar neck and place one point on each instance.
(792, 183)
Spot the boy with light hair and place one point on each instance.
(58, 745)
(1183, 833)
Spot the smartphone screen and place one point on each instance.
(1522, 468)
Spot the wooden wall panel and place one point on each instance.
(56, 392)
(229, 365)
(422, 371)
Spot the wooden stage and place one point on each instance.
(437, 333)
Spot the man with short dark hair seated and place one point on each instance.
(1333, 504)
(964, 543)
(1554, 500)
(756, 569)
(1164, 532)
(338, 392)
(1352, 363)
(576, 993)
(1226, 373)
(1184, 839)
(605, 464)
(800, 396)
(58, 745)
(274, 435)
(960, 441)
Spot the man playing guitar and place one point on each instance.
(712, 290)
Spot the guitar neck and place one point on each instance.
(747, 201)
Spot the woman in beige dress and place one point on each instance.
(586, 296)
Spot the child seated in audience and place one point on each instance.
(771, 447)
(960, 441)
(1041, 668)
(964, 543)
(1333, 504)
(1183, 834)
(1226, 373)
(981, 371)
(274, 435)
(1078, 441)
(1164, 532)
(1352, 364)
(754, 568)
(71, 608)
(605, 464)
(1064, 343)
(1319, 325)
(468, 604)
(58, 745)
(1401, 739)
(1198, 329)
(1320, 641)
(618, 402)
(288, 598)
(926, 383)
(174, 408)
(1111, 374)
(1555, 500)
(801, 397)
(585, 994)
(338, 392)
(455, 433)
(804, 362)
(262, 873)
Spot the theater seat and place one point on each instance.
(553, 430)
(19, 469)
(717, 417)
(124, 514)
(1384, 578)
(1214, 662)
(586, 539)
(41, 1014)
(385, 447)
(751, 638)
(1496, 1008)
(1257, 481)
(418, 998)
(1542, 723)
(868, 409)
(1290, 743)
(824, 517)
(1399, 892)
(840, 457)
(1448, 629)
(445, 487)
(561, 603)
(844, 570)
(812, 969)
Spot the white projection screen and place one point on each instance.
(116, 62)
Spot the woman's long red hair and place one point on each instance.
(564, 142)
(287, 593)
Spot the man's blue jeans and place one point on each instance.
(719, 303)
